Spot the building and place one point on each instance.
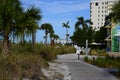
(99, 9)
(113, 39)
(62, 41)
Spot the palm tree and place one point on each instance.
(54, 36)
(82, 22)
(33, 16)
(116, 11)
(66, 25)
(9, 12)
(29, 24)
(48, 29)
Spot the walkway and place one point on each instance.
(83, 71)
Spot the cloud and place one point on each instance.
(57, 7)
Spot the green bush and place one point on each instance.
(107, 62)
(86, 59)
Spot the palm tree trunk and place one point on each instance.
(34, 37)
(5, 47)
(46, 37)
(66, 35)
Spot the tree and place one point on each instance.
(28, 24)
(15, 21)
(116, 11)
(53, 37)
(10, 12)
(82, 22)
(33, 16)
(99, 36)
(83, 33)
(48, 29)
(66, 25)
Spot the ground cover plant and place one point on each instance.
(26, 60)
(105, 61)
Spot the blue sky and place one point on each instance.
(57, 12)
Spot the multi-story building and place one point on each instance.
(99, 9)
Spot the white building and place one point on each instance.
(62, 41)
(98, 11)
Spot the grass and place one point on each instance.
(21, 65)
(47, 52)
(106, 62)
(98, 52)
(26, 60)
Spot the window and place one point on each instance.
(102, 3)
(96, 4)
(105, 2)
(90, 3)
(101, 23)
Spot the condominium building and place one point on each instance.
(99, 9)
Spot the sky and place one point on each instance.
(57, 12)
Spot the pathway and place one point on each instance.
(83, 71)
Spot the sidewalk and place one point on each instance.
(83, 71)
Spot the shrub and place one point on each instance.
(98, 52)
(65, 49)
(20, 65)
(86, 59)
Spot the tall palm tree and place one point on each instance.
(29, 24)
(48, 29)
(33, 16)
(9, 12)
(82, 22)
(66, 25)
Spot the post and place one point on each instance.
(119, 42)
(86, 47)
(78, 56)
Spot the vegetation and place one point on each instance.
(48, 29)
(14, 21)
(66, 25)
(82, 22)
(82, 33)
(106, 62)
(100, 35)
(19, 66)
(27, 61)
(116, 11)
